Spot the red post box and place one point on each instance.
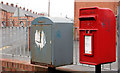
(97, 31)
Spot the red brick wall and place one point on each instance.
(12, 65)
(9, 16)
(23, 67)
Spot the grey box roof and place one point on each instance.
(50, 20)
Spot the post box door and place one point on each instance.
(88, 32)
(41, 44)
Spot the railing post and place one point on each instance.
(75, 33)
(75, 46)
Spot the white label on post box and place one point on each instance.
(88, 49)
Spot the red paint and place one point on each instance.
(12, 5)
(16, 6)
(23, 8)
(6, 3)
(2, 2)
(27, 9)
(101, 24)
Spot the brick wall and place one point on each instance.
(8, 16)
(14, 65)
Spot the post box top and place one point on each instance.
(95, 13)
(92, 8)
(89, 8)
(50, 20)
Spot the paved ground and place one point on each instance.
(14, 47)
(83, 67)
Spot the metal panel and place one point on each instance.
(59, 42)
(41, 43)
(63, 48)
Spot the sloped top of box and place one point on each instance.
(50, 20)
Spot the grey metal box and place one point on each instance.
(51, 41)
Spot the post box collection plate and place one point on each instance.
(88, 48)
